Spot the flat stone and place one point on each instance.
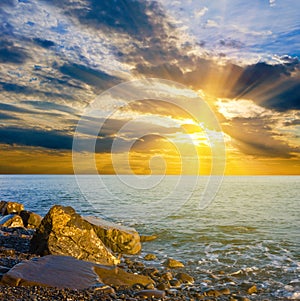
(11, 221)
(68, 272)
(64, 232)
(118, 238)
(151, 294)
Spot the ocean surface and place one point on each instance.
(249, 232)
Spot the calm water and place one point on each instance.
(250, 230)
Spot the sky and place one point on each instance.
(226, 69)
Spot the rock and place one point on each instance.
(167, 276)
(173, 263)
(212, 293)
(64, 232)
(2, 207)
(150, 257)
(119, 239)
(30, 219)
(3, 270)
(151, 294)
(163, 286)
(225, 291)
(252, 290)
(10, 207)
(11, 221)
(119, 278)
(68, 272)
(175, 283)
(185, 278)
(145, 238)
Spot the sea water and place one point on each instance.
(250, 231)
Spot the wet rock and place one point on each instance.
(185, 278)
(175, 283)
(119, 239)
(150, 257)
(145, 238)
(212, 293)
(225, 291)
(163, 286)
(68, 272)
(2, 207)
(119, 278)
(252, 290)
(173, 263)
(151, 294)
(166, 276)
(11, 221)
(10, 207)
(3, 270)
(30, 219)
(64, 232)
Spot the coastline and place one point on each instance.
(169, 280)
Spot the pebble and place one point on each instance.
(185, 278)
(252, 290)
(150, 257)
(173, 263)
(151, 294)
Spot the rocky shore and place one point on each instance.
(64, 256)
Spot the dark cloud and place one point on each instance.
(124, 16)
(96, 78)
(13, 108)
(27, 90)
(271, 86)
(46, 105)
(36, 137)
(44, 43)
(9, 53)
(287, 97)
(4, 116)
(254, 136)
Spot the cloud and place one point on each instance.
(96, 78)
(36, 137)
(4, 116)
(254, 136)
(44, 43)
(13, 108)
(9, 53)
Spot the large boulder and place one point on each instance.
(64, 232)
(30, 219)
(68, 272)
(11, 221)
(118, 238)
(10, 207)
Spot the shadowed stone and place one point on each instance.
(118, 238)
(64, 232)
(68, 272)
(151, 294)
(11, 221)
(30, 219)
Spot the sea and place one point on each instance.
(248, 230)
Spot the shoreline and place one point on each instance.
(168, 283)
